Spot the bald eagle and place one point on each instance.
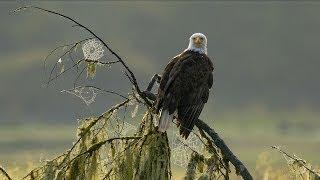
(184, 86)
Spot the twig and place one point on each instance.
(68, 52)
(301, 161)
(101, 62)
(97, 88)
(132, 78)
(63, 46)
(78, 77)
(86, 130)
(51, 79)
(5, 173)
(99, 144)
(240, 168)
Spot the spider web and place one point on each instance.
(92, 49)
(117, 127)
(86, 94)
(122, 129)
(182, 148)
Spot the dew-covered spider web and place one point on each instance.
(181, 149)
(86, 94)
(92, 49)
(121, 128)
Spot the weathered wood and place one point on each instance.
(240, 168)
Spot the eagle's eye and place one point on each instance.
(194, 38)
(201, 38)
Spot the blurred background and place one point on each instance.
(266, 56)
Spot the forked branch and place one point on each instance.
(131, 75)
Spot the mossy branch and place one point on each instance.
(240, 168)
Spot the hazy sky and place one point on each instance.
(265, 53)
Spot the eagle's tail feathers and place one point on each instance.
(165, 119)
(190, 118)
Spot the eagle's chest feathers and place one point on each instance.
(193, 75)
(196, 69)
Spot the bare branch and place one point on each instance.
(99, 144)
(68, 52)
(51, 79)
(100, 89)
(101, 62)
(133, 79)
(78, 77)
(298, 160)
(5, 173)
(240, 168)
(85, 131)
(62, 46)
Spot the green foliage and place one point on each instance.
(208, 165)
(91, 69)
(195, 161)
(98, 154)
(152, 153)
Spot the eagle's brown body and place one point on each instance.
(184, 88)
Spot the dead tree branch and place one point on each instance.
(240, 168)
(300, 161)
(131, 75)
(5, 173)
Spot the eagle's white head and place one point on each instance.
(198, 43)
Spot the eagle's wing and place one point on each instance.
(185, 87)
(167, 78)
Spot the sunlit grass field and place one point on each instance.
(248, 133)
